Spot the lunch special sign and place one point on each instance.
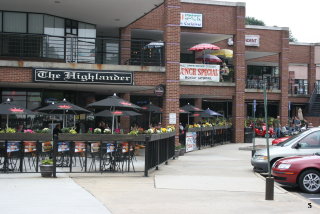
(199, 72)
(82, 76)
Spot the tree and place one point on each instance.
(291, 37)
(253, 21)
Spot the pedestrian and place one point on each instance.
(57, 130)
(276, 124)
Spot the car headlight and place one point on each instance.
(261, 157)
(284, 166)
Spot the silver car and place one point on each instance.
(305, 143)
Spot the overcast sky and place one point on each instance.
(302, 17)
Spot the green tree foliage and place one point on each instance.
(291, 37)
(253, 21)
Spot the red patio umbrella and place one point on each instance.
(204, 46)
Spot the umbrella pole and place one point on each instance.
(149, 118)
(112, 123)
(74, 121)
(63, 119)
(188, 118)
(7, 121)
(160, 117)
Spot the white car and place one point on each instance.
(305, 143)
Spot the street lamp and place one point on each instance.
(269, 179)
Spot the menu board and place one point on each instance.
(63, 146)
(30, 146)
(79, 147)
(13, 146)
(95, 147)
(47, 146)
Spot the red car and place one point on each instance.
(302, 171)
(279, 140)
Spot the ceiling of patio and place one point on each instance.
(108, 15)
(96, 88)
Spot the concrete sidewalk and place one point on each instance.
(213, 180)
(29, 193)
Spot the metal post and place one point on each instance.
(253, 128)
(54, 156)
(146, 161)
(269, 179)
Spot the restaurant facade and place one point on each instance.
(91, 50)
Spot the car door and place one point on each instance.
(308, 145)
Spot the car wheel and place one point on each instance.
(309, 181)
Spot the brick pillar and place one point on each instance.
(284, 75)
(198, 104)
(125, 120)
(311, 71)
(172, 61)
(238, 108)
(125, 45)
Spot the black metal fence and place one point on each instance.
(209, 136)
(84, 153)
(80, 49)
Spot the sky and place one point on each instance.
(302, 17)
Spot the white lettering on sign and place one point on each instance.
(190, 20)
(250, 40)
(199, 72)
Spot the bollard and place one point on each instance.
(253, 152)
(269, 188)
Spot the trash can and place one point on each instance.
(248, 135)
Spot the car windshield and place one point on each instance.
(291, 139)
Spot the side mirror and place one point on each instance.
(297, 146)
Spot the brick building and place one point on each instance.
(80, 51)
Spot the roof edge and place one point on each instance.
(221, 3)
(266, 27)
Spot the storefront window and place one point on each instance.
(257, 75)
(14, 22)
(35, 23)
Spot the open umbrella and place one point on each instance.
(63, 107)
(182, 111)
(201, 114)
(114, 102)
(151, 109)
(208, 58)
(107, 113)
(204, 47)
(224, 53)
(158, 45)
(8, 108)
(190, 108)
(212, 113)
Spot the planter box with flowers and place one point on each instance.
(28, 135)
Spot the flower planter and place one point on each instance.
(182, 151)
(46, 171)
(26, 136)
(176, 153)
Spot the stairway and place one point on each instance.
(314, 108)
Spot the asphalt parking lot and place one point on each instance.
(312, 197)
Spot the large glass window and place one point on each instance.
(54, 46)
(35, 23)
(0, 21)
(14, 22)
(86, 47)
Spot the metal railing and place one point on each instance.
(254, 82)
(298, 89)
(209, 136)
(80, 49)
(83, 153)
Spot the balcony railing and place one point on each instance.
(80, 49)
(298, 89)
(255, 82)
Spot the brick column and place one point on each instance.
(284, 75)
(238, 108)
(125, 45)
(125, 120)
(311, 71)
(198, 104)
(172, 61)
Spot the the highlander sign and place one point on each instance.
(199, 72)
(190, 20)
(82, 76)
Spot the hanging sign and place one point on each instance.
(254, 105)
(159, 90)
(172, 118)
(199, 72)
(82, 76)
(190, 20)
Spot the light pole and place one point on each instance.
(269, 179)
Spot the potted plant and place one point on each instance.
(182, 150)
(46, 168)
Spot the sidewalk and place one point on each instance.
(214, 180)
